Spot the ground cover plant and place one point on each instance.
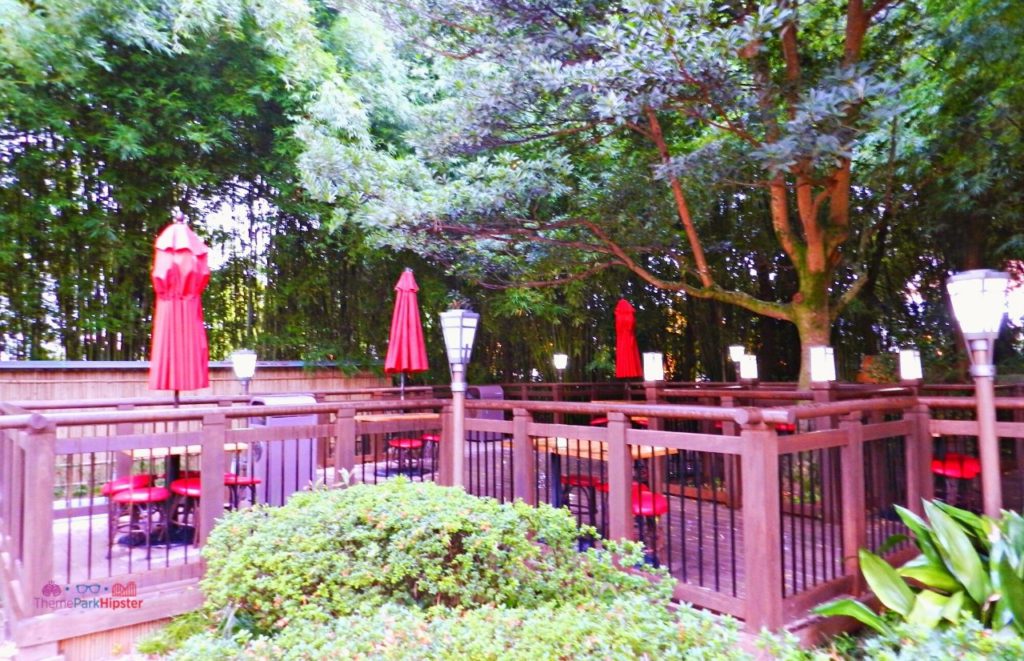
(413, 570)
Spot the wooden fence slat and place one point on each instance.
(762, 529)
(212, 464)
(37, 552)
(851, 465)
(524, 479)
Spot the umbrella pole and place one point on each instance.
(401, 385)
(177, 399)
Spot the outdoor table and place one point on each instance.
(172, 468)
(394, 423)
(398, 417)
(558, 447)
(172, 456)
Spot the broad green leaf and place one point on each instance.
(923, 534)
(953, 608)
(887, 585)
(930, 575)
(854, 609)
(1012, 589)
(1013, 530)
(959, 554)
(972, 523)
(928, 609)
(891, 542)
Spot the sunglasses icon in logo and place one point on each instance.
(85, 588)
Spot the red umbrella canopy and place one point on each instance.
(180, 356)
(627, 353)
(407, 352)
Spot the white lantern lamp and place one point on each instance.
(459, 328)
(978, 299)
(910, 365)
(823, 364)
(979, 305)
(748, 368)
(654, 367)
(560, 361)
(243, 362)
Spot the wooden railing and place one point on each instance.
(63, 540)
(768, 493)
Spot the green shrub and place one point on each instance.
(332, 553)
(968, 640)
(631, 627)
(970, 567)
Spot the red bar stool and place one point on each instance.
(955, 466)
(138, 481)
(407, 449)
(587, 487)
(185, 494)
(133, 511)
(647, 507)
(434, 442)
(235, 483)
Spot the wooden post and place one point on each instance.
(524, 479)
(822, 394)
(446, 454)
(919, 452)
(733, 477)
(212, 463)
(344, 442)
(323, 419)
(559, 395)
(123, 460)
(37, 558)
(1018, 446)
(762, 528)
(854, 516)
(620, 479)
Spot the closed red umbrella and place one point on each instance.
(180, 355)
(627, 353)
(407, 352)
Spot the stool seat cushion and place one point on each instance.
(958, 466)
(406, 443)
(138, 481)
(140, 496)
(585, 481)
(635, 420)
(233, 480)
(187, 486)
(647, 503)
(431, 438)
(638, 487)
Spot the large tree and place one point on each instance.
(563, 137)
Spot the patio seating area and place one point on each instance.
(755, 499)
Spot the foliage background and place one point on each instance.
(114, 113)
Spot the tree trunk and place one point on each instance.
(814, 326)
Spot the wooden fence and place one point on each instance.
(764, 506)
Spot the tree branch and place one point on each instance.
(555, 282)
(682, 209)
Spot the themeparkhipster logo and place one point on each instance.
(89, 596)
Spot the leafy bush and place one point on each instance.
(329, 554)
(970, 567)
(967, 640)
(628, 628)
(906, 642)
